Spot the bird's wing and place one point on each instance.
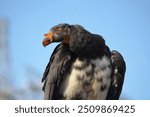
(119, 68)
(58, 64)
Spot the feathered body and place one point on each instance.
(81, 66)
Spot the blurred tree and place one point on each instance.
(31, 88)
(5, 67)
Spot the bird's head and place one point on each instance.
(58, 33)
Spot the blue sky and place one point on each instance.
(125, 25)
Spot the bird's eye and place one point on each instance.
(57, 29)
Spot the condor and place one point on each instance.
(81, 67)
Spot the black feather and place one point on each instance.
(119, 69)
(57, 66)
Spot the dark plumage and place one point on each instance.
(81, 66)
(119, 68)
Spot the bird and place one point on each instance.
(82, 66)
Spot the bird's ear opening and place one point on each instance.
(66, 39)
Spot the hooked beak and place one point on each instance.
(48, 39)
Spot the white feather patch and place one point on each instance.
(89, 82)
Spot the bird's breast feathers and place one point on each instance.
(89, 79)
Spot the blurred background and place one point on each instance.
(124, 24)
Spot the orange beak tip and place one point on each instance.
(45, 42)
(48, 39)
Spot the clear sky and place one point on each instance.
(125, 25)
